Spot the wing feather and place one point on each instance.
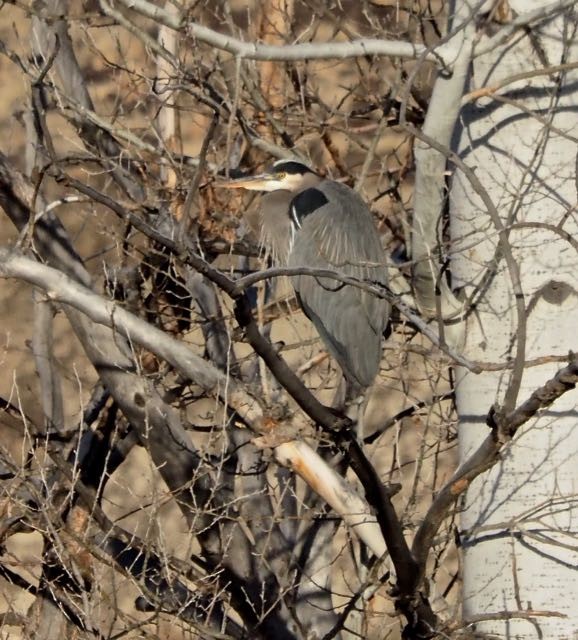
(341, 235)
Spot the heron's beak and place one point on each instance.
(261, 182)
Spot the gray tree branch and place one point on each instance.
(302, 51)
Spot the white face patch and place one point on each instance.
(272, 185)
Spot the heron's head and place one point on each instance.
(284, 175)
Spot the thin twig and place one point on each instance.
(488, 91)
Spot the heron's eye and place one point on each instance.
(281, 175)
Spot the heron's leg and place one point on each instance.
(354, 406)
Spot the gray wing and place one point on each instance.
(342, 236)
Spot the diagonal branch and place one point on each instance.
(522, 21)
(504, 428)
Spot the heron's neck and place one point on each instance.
(309, 180)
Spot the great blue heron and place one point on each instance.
(310, 221)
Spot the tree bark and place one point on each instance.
(519, 522)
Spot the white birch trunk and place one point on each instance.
(520, 520)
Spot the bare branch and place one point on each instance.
(334, 490)
(304, 51)
(525, 75)
(565, 380)
(377, 290)
(60, 288)
(504, 427)
(519, 22)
